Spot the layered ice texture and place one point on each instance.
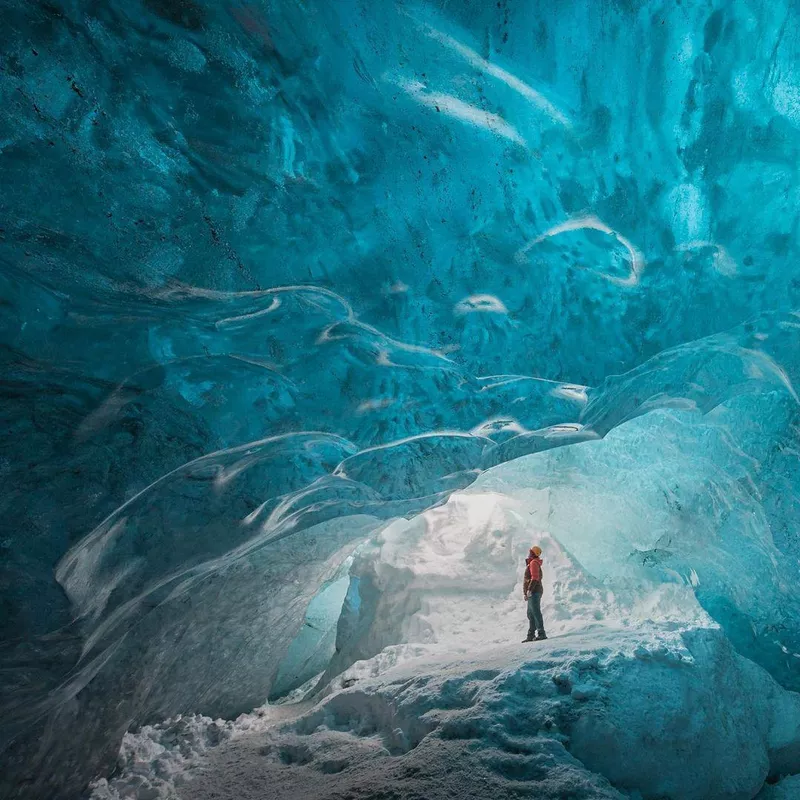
(315, 316)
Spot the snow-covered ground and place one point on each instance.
(431, 694)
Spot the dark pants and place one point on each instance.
(535, 621)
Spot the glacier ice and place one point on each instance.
(314, 313)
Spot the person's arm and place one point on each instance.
(526, 582)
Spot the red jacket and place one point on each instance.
(532, 584)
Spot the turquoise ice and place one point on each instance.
(280, 277)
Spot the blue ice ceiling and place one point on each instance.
(273, 272)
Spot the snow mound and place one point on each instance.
(158, 759)
(603, 714)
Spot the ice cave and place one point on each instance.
(317, 316)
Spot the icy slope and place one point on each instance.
(638, 710)
(600, 714)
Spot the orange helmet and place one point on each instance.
(536, 550)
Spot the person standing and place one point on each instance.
(532, 592)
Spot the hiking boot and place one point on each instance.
(529, 639)
(541, 637)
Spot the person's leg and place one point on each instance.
(538, 621)
(531, 617)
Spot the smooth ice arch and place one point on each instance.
(291, 290)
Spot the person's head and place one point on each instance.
(536, 551)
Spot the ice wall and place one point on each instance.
(273, 274)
